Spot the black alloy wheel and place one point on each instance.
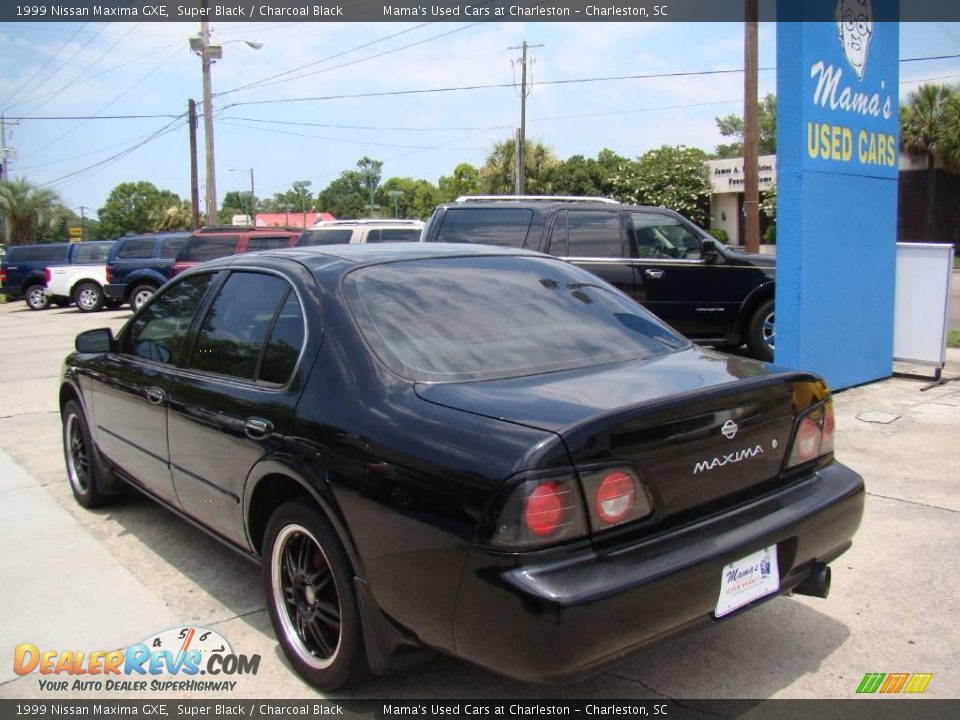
(79, 454)
(310, 595)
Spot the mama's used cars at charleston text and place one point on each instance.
(483, 451)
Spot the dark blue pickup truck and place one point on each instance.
(139, 264)
(22, 270)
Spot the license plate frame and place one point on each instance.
(747, 580)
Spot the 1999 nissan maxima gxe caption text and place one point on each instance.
(481, 451)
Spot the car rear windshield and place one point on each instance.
(208, 247)
(494, 316)
(36, 253)
(332, 236)
(505, 226)
(92, 252)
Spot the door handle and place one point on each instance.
(155, 395)
(653, 274)
(258, 428)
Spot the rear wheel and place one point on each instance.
(310, 594)
(88, 297)
(761, 332)
(140, 294)
(35, 297)
(80, 456)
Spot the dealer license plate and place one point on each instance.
(748, 579)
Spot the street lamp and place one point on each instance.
(253, 197)
(208, 55)
(396, 195)
(301, 186)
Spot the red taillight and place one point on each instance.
(47, 274)
(614, 497)
(109, 276)
(814, 436)
(3, 277)
(543, 511)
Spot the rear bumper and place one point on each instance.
(115, 291)
(564, 618)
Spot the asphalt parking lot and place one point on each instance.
(112, 577)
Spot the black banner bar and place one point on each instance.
(873, 708)
(447, 11)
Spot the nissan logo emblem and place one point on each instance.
(729, 429)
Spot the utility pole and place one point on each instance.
(751, 181)
(522, 135)
(5, 155)
(194, 179)
(83, 223)
(208, 122)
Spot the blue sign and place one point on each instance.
(838, 164)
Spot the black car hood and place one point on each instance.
(561, 400)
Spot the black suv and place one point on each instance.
(706, 290)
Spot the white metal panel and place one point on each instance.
(921, 302)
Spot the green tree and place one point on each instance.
(928, 129)
(134, 207)
(416, 198)
(732, 126)
(59, 231)
(578, 175)
(345, 198)
(670, 177)
(29, 208)
(178, 216)
(235, 202)
(465, 180)
(370, 173)
(498, 169)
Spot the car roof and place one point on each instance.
(549, 203)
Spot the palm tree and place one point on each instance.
(498, 170)
(178, 216)
(28, 207)
(925, 124)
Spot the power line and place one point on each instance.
(41, 68)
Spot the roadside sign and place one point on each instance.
(75, 233)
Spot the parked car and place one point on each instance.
(343, 232)
(216, 242)
(484, 451)
(79, 284)
(23, 270)
(139, 264)
(709, 292)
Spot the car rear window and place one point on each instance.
(172, 245)
(486, 317)
(488, 226)
(208, 247)
(35, 253)
(332, 236)
(386, 235)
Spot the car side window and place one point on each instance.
(139, 249)
(659, 236)
(159, 331)
(268, 242)
(559, 245)
(170, 246)
(284, 345)
(595, 233)
(238, 323)
(87, 253)
(389, 235)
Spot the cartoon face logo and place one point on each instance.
(855, 28)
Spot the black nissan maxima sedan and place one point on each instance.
(480, 451)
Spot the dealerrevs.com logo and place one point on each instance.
(169, 661)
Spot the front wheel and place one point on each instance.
(88, 297)
(36, 298)
(761, 332)
(310, 594)
(80, 456)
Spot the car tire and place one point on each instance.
(35, 298)
(140, 294)
(761, 332)
(308, 582)
(88, 297)
(80, 456)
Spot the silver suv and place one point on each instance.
(354, 232)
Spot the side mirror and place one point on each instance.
(95, 341)
(709, 252)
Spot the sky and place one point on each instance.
(107, 69)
